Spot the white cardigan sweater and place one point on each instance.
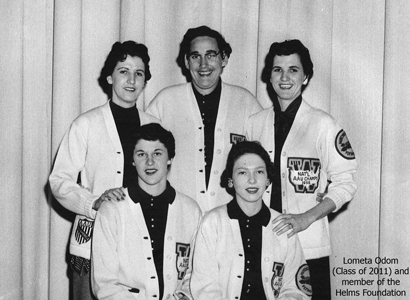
(312, 154)
(219, 261)
(122, 256)
(177, 109)
(91, 147)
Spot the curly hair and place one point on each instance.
(286, 48)
(119, 52)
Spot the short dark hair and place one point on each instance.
(119, 52)
(239, 149)
(192, 34)
(155, 132)
(286, 48)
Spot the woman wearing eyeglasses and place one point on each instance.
(205, 115)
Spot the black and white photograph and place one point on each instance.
(204, 149)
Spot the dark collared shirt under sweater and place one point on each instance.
(208, 106)
(251, 233)
(127, 121)
(155, 210)
(283, 124)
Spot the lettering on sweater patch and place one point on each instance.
(277, 278)
(343, 146)
(182, 251)
(304, 174)
(236, 138)
(84, 231)
(302, 278)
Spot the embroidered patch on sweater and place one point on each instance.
(343, 146)
(84, 231)
(277, 278)
(302, 278)
(304, 174)
(182, 251)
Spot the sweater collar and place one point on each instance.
(138, 195)
(235, 212)
(290, 111)
(215, 94)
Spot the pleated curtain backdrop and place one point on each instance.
(52, 52)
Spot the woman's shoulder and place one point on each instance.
(91, 115)
(172, 90)
(316, 113)
(273, 214)
(146, 118)
(217, 213)
(186, 201)
(263, 114)
(109, 209)
(236, 89)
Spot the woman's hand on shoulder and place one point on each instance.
(291, 223)
(110, 195)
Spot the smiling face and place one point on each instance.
(128, 81)
(151, 161)
(205, 72)
(250, 179)
(287, 78)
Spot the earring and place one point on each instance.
(230, 183)
(305, 82)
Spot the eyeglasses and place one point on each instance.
(210, 57)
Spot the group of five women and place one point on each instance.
(271, 241)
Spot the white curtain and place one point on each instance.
(51, 54)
